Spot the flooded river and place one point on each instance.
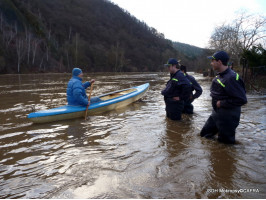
(133, 152)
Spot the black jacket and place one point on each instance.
(195, 86)
(228, 88)
(177, 86)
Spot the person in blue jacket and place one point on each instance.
(195, 86)
(177, 91)
(228, 95)
(76, 90)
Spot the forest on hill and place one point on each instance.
(95, 35)
(193, 57)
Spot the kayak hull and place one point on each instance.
(108, 104)
(53, 118)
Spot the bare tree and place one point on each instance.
(116, 57)
(226, 38)
(46, 46)
(7, 37)
(28, 44)
(68, 67)
(76, 48)
(49, 31)
(1, 21)
(16, 27)
(35, 44)
(251, 30)
(69, 34)
(20, 51)
(243, 33)
(41, 63)
(47, 53)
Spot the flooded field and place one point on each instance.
(133, 152)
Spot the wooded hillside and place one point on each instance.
(95, 35)
(193, 57)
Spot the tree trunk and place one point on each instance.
(69, 35)
(16, 28)
(19, 52)
(67, 61)
(76, 50)
(34, 49)
(41, 64)
(246, 73)
(29, 45)
(47, 53)
(1, 22)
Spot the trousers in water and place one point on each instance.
(224, 122)
(173, 108)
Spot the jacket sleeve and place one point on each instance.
(197, 88)
(77, 93)
(86, 84)
(235, 89)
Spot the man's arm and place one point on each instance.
(77, 93)
(88, 84)
(236, 91)
(197, 88)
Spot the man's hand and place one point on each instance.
(92, 81)
(218, 104)
(191, 98)
(176, 98)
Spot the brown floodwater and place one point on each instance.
(133, 152)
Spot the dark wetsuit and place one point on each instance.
(177, 86)
(188, 107)
(228, 88)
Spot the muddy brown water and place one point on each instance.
(133, 152)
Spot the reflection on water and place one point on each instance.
(133, 152)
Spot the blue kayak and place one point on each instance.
(106, 102)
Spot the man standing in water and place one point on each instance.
(228, 95)
(76, 90)
(188, 107)
(177, 91)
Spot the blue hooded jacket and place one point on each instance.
(76, 92)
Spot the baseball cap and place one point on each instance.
(171, 61)
(220, 55)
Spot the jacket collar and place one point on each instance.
(224, 72)
(76, 77)
(172, 75)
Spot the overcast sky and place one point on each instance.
(188, 21)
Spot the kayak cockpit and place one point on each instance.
(116, 94)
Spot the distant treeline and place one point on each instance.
(194, 57)
(96, 35)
